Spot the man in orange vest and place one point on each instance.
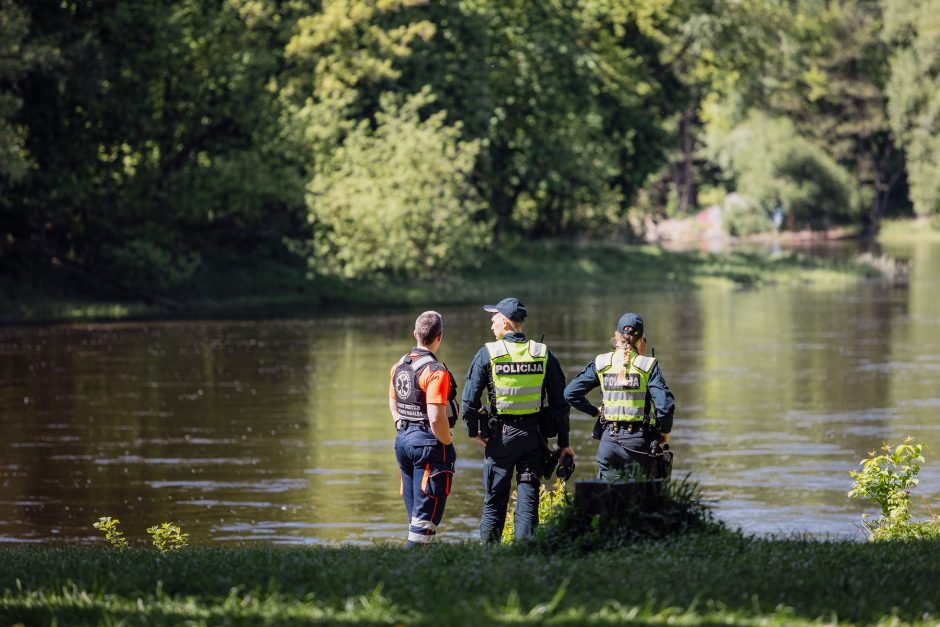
(422, 400)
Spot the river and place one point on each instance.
(278, 430)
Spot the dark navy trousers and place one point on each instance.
(427, 469)
(516, 447)
(622, 454)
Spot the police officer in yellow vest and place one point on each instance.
(525, 393)
(637, 404)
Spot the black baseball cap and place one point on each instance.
(631, 320)
(509, 307)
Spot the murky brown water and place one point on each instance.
(278, 430)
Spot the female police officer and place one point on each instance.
(637, 404)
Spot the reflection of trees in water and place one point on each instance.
(779, 384)
(918, 344)
(780, 392)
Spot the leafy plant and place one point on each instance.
(551, 504)
(886, 480)
(678, 509)
(168, 537)
(112, 534)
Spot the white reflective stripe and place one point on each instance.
(616, 395)
(602, 362)
(420, 363)
(617, 410)
(644, 363)
(419, 537)
(423, 524)
(519, 404)
(536, 349)
(496, 349)
(526, 391)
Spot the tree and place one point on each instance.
(914, 94)
(156, 142)
(717, 50)
(13, 64)
(568, 99)
(832, 84)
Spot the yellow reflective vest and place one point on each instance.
(518, 372)
(624, 386)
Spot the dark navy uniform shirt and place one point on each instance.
(587, 380)
(479, 375)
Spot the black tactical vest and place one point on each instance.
(411, 399)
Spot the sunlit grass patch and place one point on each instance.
(911, 229)
(684, 578)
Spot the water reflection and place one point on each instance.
(278, 431)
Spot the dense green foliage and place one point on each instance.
(148, 147)
(775, 165)
(914, 90)
(692, 579)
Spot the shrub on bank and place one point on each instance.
(886, 480)
(678, 509)
(929, 530)
(767, 161)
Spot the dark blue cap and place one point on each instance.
(509, 307)
(631, 320)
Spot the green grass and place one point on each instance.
(557, 267)
(928, 530)
(697, 578)
(916, 229)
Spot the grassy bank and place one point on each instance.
(702, 578)
(916, 229)
(555, 267)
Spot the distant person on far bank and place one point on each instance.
(422, 399)
(637, 407)
(524, 387)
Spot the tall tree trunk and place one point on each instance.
(888, 171)
(684, 169)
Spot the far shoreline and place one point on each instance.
(563, 267)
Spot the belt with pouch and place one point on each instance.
(629, 426)
(424, 425)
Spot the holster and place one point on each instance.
(549, 461)
(662, 460)
(483, 427)
(548, 427)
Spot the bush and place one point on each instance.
(151, 266)
(929, 530)
(742, 217)
(770, 163)
(886, 480)
(397, 200)
(678, 510)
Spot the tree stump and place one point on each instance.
(599, 497)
